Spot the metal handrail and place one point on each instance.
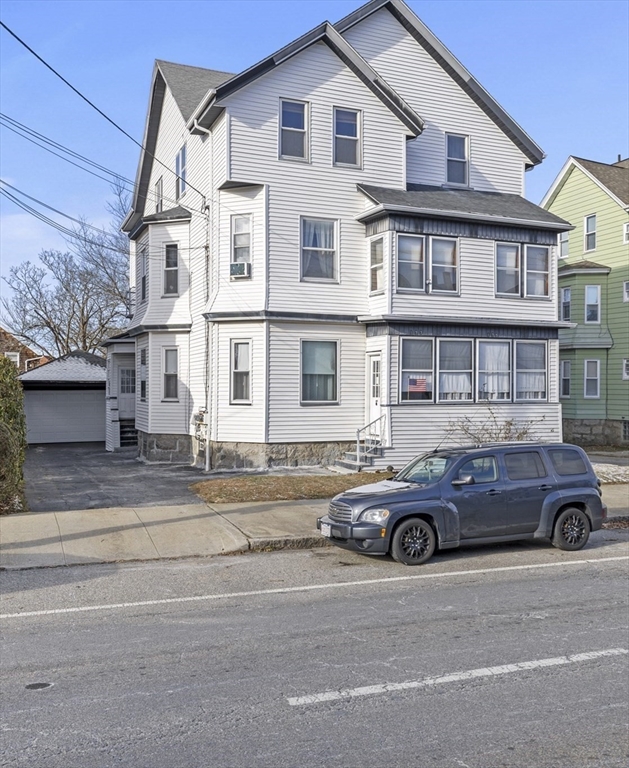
(372, 439)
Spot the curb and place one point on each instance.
(287, 542)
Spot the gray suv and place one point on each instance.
(474, 495)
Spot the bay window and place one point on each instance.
(416, 370)
(410, 262)
(566, 371)
(566, 296)
(530, 370)
(592, 303)
(455, 370)
(319, 372)
(240, 372)
(241, 239)
(592, 378)
(376, 276)
(171, 374)
(171, 270)
(494, 370)
(318, 249)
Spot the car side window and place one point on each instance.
(483, 469)
(567, 461)
(525, 465)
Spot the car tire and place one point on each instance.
(572, 530)
(413, 542)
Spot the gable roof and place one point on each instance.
(77, 367)
(189, 85)
(448, 61)
(611, 178)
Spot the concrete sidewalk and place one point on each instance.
(119, 534)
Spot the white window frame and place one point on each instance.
(587, 232)
(429, 270)
(424, 263)
(143, 374)
(144, 281)
(233, 246)
(14, 357)
(433, 372)
(625, 233)
(329, 280)
(515, 295)
(563, 315)
(565, 375)
(625, 291)
(564, 245)
(526, 271)
(159, 195)
(232, 371)
(586, 304)
(625, 369)
(166, 373)
(465, 161)
(437, 384)
(478, 371)
(517, 399)
(376, 268)
(596, 378)
(181, 162)
(167, 269)
(337, 377)
(357, 139)
(305, 131)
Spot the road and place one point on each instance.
(512, 657)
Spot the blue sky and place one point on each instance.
(559, 67)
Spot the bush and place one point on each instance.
(12, 440)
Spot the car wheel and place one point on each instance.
(572, 530)
(413, 542)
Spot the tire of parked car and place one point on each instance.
(572, 530)
(413, 542)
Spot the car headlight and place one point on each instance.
(376, 515)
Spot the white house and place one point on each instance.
(334, 240)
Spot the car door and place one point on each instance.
(528, 483)
(481, 505)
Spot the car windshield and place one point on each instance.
(425, 469)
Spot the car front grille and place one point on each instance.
(340, 511)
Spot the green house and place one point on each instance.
(593, 289)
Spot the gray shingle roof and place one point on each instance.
(172, 214)
(583, 264)
(463, 202)
(615, 177)
(75, 366)
(189, 85)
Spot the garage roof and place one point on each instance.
(76, 367)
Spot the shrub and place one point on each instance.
(12, 439)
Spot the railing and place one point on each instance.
(370, 437)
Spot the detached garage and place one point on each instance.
(64, 400)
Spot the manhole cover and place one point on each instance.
(38, 686)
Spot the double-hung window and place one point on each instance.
(376, 266)
(421, 263)
(455, 369)
(589, 233)
(457, 169)
(566, 372)
(566, 295)
(143, 374)
(530, 370)
(494, 370)
(625, 232)
(144, 265)
(319, 372)
(159, 195)
(171, 270)
(318, 249)
(241, 372)
(444, 267)
(508, 281)
(416, 373)
(625, 290)
(411, 262)
(537, 270)
(564, 250)
(591, 378)
(241, 245)
(346, 137)
(293, 130)
(181, 172)
(171, 374)
(593, 304)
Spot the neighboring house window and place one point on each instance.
(494, 370)
(319, 372)
(410, 262)
(143, 377)
(625, 291)
(376, 270)
(592, 303)
(537, 270)
(566, 294)
(530, 371)
(171, 270)
(508, 269)
(14, 357)
(159, 195)
(457, 159)
(346, 137)
(144, 290)
(181, 171)
(625, 233)
(241, 372)
(416, 373)
(455, 370)
(294, 130)
(625, 369)
(241, 239)
(563, 245)
(589, 243)
(171, 374)
(318, 249)
(566, 367)
(592, 378)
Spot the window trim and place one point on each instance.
(437, 385)
(165, 293)
(232, 371)
(517, 399)
(169, 373)
(181, 171)
(587, 378)
(305, 131)
(233, 233)
(372, 268)
(587, 232)
(433, 370)
(563, 303)
(476, 369)
(586, 304)
(563, 365)
(359, 131)
(326, 280)
(337, 376)
(498, 293)
(539, 296)
(466, 162)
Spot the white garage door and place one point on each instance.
(65, 416)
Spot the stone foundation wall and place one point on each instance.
(260, 455)
(593, 432)
(173, 449)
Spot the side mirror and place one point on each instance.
(465, 480)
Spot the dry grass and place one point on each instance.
(280, 487)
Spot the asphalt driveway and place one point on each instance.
(65, 476)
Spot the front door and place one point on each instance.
(126, 393)
(375, 410)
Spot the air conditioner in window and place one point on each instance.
(239, 269)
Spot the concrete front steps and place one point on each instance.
(367, 462)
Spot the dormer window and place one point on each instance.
(293, 130)
(457, 159)
(180, 170)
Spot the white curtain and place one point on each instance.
(455, 370)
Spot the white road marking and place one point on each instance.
(471, 674)
(308, 588)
